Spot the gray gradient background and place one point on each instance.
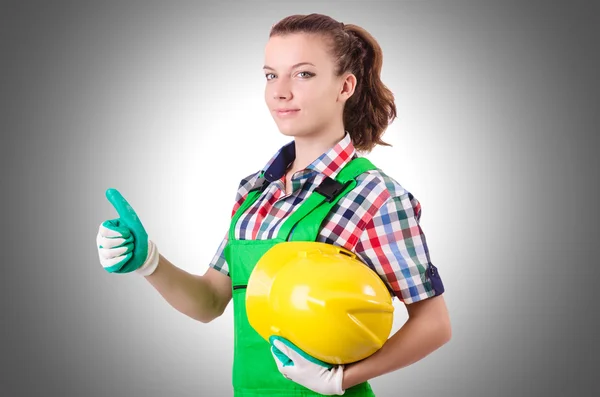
(496, 136)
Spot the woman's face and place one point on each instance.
(299, 76)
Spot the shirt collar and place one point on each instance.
(329, 163)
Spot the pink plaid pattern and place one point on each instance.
(378, 220)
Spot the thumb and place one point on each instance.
(281, 351)
(123, 208)
(296, 354)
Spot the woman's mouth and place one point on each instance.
(286, 112)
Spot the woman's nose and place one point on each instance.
(282, 90)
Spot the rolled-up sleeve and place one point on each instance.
(218, 261)
(393, 244)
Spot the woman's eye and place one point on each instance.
(306, 74)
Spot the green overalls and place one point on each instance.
(255, 372)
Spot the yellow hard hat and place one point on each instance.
(322, 299)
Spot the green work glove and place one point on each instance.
(123, 244)
(305, 370)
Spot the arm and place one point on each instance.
(202, 298)
(205, 297)
(404, 251)
(124, 247)
(393, 244)
(426, 330)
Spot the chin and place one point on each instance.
(289, 130)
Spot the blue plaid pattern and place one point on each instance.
(378, 220)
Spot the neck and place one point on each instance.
(309, 148)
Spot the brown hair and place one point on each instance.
(371, 108)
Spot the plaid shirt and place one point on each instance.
(378, 220)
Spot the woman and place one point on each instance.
(323, 89)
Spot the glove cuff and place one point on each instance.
(339, 390)
(151, 262)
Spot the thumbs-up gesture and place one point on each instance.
(123, 244)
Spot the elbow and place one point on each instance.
(445, 330)
(204, 316)
(216, 310)
(197, 315)
(199, 312)
(207, 318)
(204, 319)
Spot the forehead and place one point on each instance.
(281, 52)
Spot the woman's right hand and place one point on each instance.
(123, 244)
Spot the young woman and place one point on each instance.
(323, 89)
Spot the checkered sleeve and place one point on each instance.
(394, 245)
(218, 261)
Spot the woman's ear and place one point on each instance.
(348, 87)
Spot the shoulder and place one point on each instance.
(247, 182)
(379, 179)
(381, 190)
(244, 186)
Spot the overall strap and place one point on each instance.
(310, 215)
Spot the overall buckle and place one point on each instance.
(330, 188)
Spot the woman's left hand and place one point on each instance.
(305, 370)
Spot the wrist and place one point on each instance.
(151, 263)
(348, 377)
